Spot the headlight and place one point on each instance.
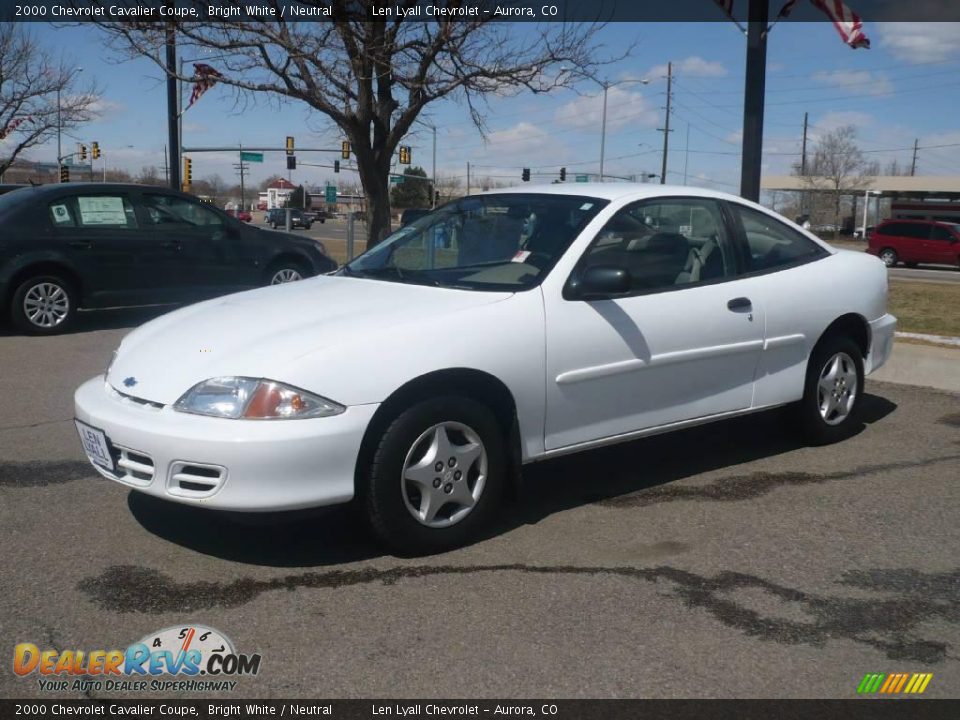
(254, 399)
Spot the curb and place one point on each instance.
(933, 339)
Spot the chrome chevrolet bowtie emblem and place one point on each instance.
(130, 381)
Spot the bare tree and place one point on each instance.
(150, 175)
(37, 93)
(449, 186)
(373, 78)
(838, 168)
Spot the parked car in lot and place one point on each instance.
(319, 215)
(277, 218)
(93, 245)
(421, 376)
(242, 215)
(916, 241)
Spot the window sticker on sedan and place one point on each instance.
(102, 211)
(61, 215)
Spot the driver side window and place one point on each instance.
(175, 211)
(664, 244)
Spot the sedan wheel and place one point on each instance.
(434, 476)
(285, 275)
(889, 257)
(444, 474)
(834, 385)
(43, 305)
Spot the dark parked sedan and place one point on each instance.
(94, 245)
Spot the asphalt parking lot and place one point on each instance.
(723, 561)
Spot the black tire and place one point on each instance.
(381, 489)
(21, 319)
(298, 265)
(889, 257)
(306, 226)
(816, 429)
(273, 225)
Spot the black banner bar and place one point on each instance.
(859, 709)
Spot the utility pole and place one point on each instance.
(754, 92)
(468, 178)
(803, 165)
(173, 161)
(686, 154)
(913, 164)
(433, 183)
(666, 125)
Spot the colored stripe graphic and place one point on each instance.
(894, 683)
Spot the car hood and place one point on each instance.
(265, 332)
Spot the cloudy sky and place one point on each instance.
(904, 88)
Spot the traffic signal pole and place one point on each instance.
(753, 101)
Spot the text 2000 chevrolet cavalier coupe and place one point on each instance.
(500, 329)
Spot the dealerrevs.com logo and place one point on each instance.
(175, 658)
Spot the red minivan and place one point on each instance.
(916, 241)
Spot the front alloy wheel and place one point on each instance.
(444, 474)
(889, 257)
(434, 476)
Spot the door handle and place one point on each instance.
(171, 244)
(740, 303)
(82, 244)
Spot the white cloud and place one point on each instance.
(840, 118)
(523, 137)
(855, 82)
(693, 66)
(919, 42)
(624, 107)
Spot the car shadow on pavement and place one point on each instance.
(636, 473)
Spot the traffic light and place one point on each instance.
(291, 162)
(563, 174)
(405, 154)
(95, 150)
(436, 198)
(187, 171)
(83, 151)
(336, 166)
(345, 149)
(526, 175)
(289, 144)
(64, 173)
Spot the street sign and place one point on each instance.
(396, 179)
(583, 178)
(331, 194)
(251, 157)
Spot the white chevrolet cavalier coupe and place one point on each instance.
(500, 329)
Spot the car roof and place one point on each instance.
(54, 188)
(616, 190)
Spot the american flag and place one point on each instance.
(845, 20)
(13, 125)
(205, 77)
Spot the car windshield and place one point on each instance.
(485, 242)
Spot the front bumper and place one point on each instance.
(242, 465)
(881, 342)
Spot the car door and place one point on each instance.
(683, 343)
(941, 246)
(211, 255)
(114, 255)
(915, 239)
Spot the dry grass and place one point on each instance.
(932, 308)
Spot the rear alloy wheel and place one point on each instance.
(889, 257)
(43, 305)
(435, 476)
(834, 386)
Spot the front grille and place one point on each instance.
(132, 466)
(195, 479)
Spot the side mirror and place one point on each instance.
(599, 282)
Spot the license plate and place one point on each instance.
(95, 445)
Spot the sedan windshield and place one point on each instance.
(487, 242)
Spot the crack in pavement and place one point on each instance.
(884, 623)
(40, 473)
(953, 420)
(33, 425)
(748, 487)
